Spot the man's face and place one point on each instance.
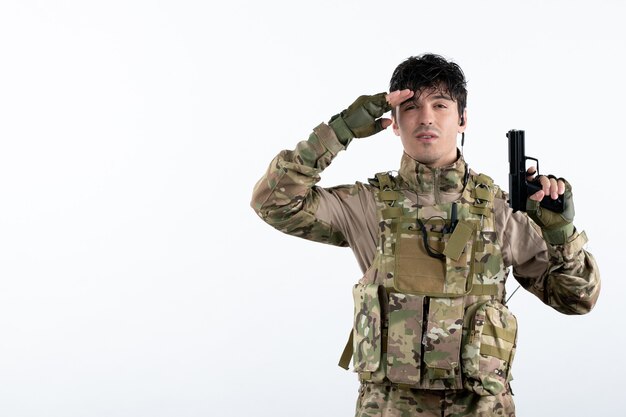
(428, 126)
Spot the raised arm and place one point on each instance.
(287, 197)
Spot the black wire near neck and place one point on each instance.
(429, 251)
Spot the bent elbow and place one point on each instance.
(579, 304)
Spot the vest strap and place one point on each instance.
(484, 289)
(499, 332)
(441, 373)
(388, 195)
(484, 180)
(346, 356)
(482, 210)
(384, 181)
(365, 375)
(496, 352)
(482, 193)
(392, 212)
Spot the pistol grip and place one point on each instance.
(548, 203)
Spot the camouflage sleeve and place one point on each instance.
(565, 277)
(287, 198)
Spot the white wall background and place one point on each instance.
(136, 281)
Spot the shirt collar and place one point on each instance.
(426, 180)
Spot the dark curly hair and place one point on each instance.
(431, 71)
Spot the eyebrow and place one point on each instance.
(443, 96)
(434, 97)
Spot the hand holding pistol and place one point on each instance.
(519, 187)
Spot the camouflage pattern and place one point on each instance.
(438, 291)
(442, 340)
(385, 400)
(416, 271)
(367, 328)
(280, 197)
(565, 277)
(489, 347)
(402, 253)
(572, 284)
(404, 340)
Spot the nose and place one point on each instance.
(426, 116)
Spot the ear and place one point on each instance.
(463, 122)
(394, 124)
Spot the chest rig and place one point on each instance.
(428, 312)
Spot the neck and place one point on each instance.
(426, 179)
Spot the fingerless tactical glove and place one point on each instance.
(361, 119)
(556, 227)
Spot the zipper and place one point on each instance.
(425, 308)
(436, 185)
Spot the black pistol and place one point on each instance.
(519, 188)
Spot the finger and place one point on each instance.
(538, 196)
(561, 186)
(554, 188)
(384, 122)
(530, 173)
(544, 182)
(395, 98)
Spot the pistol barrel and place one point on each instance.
(517, 170)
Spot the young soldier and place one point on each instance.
(432, 334)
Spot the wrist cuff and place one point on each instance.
(343, 132)
(558, 236)
(328, 139)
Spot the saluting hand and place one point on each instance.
(395, 98)
(363, 118)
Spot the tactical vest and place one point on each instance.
(429, 311)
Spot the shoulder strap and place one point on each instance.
(387, 194)
(482, 192)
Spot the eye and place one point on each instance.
(441, 106)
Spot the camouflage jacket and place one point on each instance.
(564, 277)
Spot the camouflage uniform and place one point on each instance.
(412, 359)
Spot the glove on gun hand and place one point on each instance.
(557, 227)
(361, 119)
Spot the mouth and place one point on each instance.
(427, 136)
